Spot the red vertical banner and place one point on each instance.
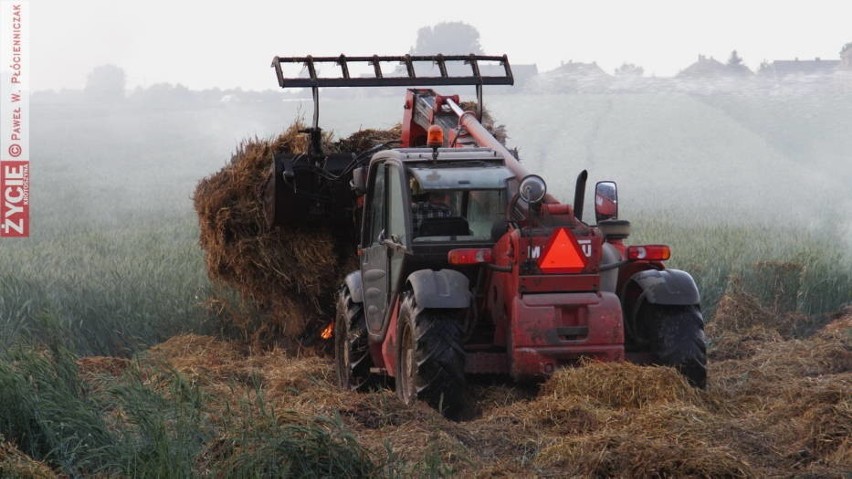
(15, 191)
(14, 120)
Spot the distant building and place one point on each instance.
(572, 77)
(521, 74)
(580, 71)
(711, 68)
(817, 66)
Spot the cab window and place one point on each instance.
(376, 226)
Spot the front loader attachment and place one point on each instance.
(314, 187)
(483, 70)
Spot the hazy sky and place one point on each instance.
(204, 44)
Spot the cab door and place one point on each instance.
(385, 242)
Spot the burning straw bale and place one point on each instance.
(288, 275)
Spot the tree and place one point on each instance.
(164, 95)
(449, 38)
(735, 65)
(629, 69)
(106, 82)
(734, 60)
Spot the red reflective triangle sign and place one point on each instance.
(562, 255)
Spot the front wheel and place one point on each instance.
(676, 336)
(352, 358)
(430, 356)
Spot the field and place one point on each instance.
(112, 364)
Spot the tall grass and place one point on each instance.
(46, 410)
(261, 443)
(153, 423)
(815, 269)
(112, 289)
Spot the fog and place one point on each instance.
(748, 151)
(730, 173)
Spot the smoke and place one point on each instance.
(751, 150)
(698, 151)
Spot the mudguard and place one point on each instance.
(445, 289)
(668, 287)
(609, 278)
(356, 288)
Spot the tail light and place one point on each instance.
(469, 256)
(650, 252)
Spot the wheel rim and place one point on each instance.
(341, 342)
(406, 366)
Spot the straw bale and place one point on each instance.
(776, 284)
(739, 312)
(90, 366)
(620, 384)
(14, 463)
(810, 418)
(839, 326)
(784, 409)
(628, 454)
(740, 345)
(827, 427)
(190, 351)
(286, 277)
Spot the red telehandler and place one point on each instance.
(503, 280)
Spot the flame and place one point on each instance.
(328, 331)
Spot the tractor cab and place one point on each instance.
(417, 210)
(416, 203)
(456, 202)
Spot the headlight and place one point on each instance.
(532, 189)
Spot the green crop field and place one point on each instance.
(751, 191)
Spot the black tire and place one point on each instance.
(352, 358)
(676, 335)
(430, 357)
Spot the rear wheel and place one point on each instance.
(676, 335)
(430, 357)
(351, 346)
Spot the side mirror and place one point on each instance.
(606, 201)
(359, 180)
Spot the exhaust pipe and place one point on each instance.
(580, 194)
